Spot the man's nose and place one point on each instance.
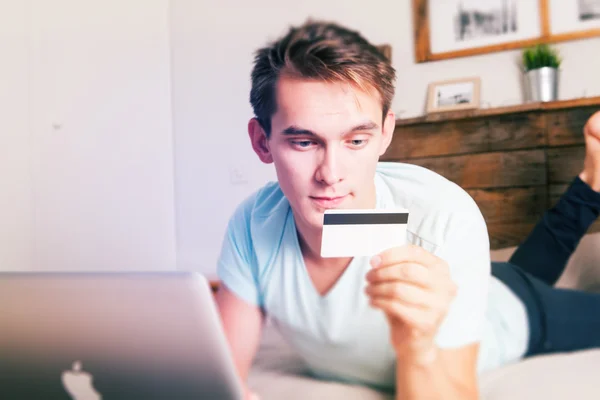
(330, 169)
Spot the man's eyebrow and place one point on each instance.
(367, 126)
(294, 130)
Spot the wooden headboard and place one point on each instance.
(514, 161)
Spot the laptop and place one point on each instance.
(112, 335)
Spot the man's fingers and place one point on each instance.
(413, 273)
(403, 292)
(407, 254)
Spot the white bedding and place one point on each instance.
(278, 373)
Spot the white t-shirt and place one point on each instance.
(339, 335)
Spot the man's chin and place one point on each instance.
(315, 220)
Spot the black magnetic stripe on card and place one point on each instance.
(365, 219)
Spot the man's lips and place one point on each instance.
(327, 201)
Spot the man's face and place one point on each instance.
(325, 142)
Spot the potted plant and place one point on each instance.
(541, 68)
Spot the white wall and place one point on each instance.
(212, 49)
(89, 106)
(16, 207)
(86, 146)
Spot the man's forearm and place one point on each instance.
(429, 378)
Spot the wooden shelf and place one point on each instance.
(486, 112)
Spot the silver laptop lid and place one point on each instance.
(123, 335)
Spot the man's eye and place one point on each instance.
(302, 143)
(358, 142)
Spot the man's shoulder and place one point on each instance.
(264, 206)
(413, 183)
(433, 201)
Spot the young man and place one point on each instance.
(410, 318)
(413, 317)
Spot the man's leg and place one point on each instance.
(560, 320)
(571, 319)
(545, 252)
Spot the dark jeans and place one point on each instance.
(560, 320)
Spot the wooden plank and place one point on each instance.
(510, 213)
(564, 163)
(512, 234)
(545, 17)
(565, 127)
(487, 112)
(504, 132)
(438, 139)
(511, 205)
(572, 103)
(566, 37)
(517, 44)
(508, 234)
(490, 170)
(517, 131)
(421, 27)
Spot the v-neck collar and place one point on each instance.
(382, 194)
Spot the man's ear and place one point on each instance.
(259, 140)
(389, 125)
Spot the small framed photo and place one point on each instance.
(452, 95)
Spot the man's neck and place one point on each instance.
(310, 243)
(323, 272)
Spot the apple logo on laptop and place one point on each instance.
(78, 383)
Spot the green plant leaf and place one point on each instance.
(540, 55)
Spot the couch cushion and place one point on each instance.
(558, 376)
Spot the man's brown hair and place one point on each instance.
(324, 51)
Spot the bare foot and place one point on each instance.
(591, 165)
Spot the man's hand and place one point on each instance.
(414, 289)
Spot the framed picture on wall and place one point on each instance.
(458, 28)
(574, 19)
(453, 95)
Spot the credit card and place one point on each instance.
(362, 232)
